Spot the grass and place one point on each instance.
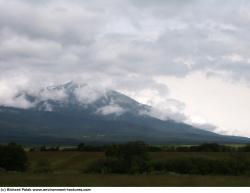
(18, 179)
(68, 171)
(65, 161)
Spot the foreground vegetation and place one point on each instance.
(129, 164)
(133, 158)
(92, 180)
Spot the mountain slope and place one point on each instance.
(71, 113)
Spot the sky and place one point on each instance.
(188, 59)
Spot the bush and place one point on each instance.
(89, 148)
(246, 148)
(203, 166)
(13, 157)
(133, 158)
(205, 147)
(127, 158)
(154, 149)
(44, 148)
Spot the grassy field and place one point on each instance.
(65, 161)
(68, 170)
(17, 179)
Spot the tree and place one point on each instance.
(246, 148)
(13, 157)
(209, 147)
(130, 157)
(81, 147)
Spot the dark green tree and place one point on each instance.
(130, 157)
(81, 147)
(246, 148)
(13, 157)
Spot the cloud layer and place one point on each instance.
(122, 44)
(124, 38)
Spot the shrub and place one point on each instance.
(203, 166)
(13, 157)
(246, 148)
(133, 158)
(89, 148)
(154, 149)
(205, 147)
(44, 148)
(127, 158)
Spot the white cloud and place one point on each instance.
(127, 45)
(111, 109)
(88, 94)
(7, 93)
(213, 100)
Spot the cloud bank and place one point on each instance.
(127, 45)
(131, 38)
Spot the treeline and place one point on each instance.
(208, 147)
(133, 157)
(79, 147)
(205, 147)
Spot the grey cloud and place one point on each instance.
(120, 44)
(73, 25)
(83, 37)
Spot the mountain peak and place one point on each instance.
(70, 86)
(73, 96)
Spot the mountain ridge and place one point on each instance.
(81, 113)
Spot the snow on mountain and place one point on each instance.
(76, 96)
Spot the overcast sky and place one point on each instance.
(189, 57)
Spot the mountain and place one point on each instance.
(72, 113)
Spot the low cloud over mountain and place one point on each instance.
(154, 51)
